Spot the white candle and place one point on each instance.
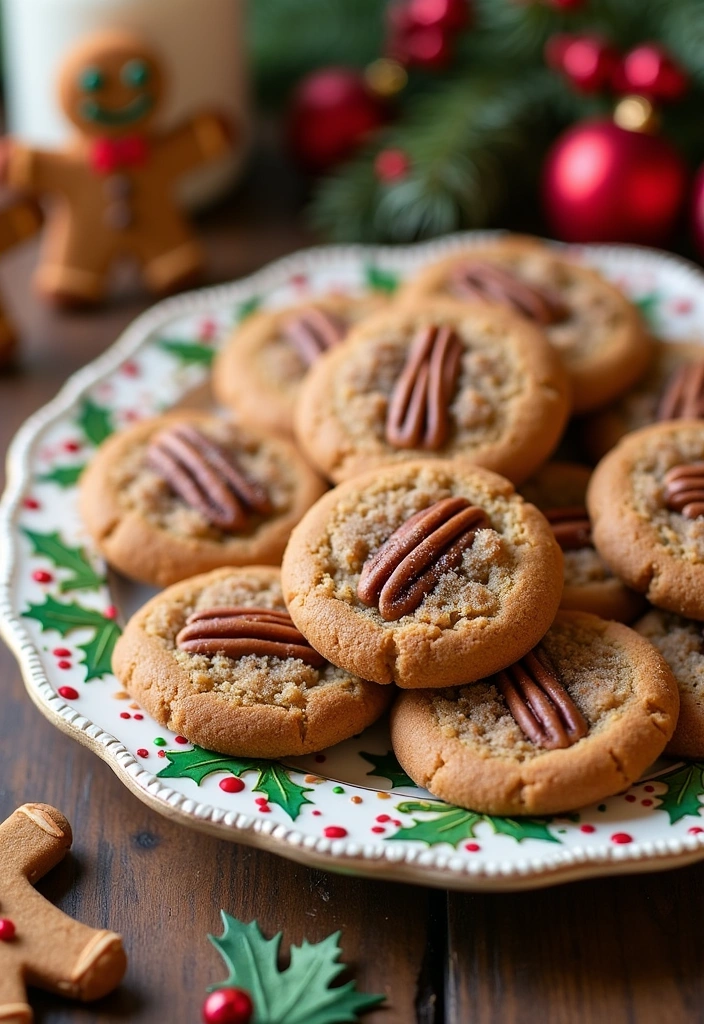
(200, 41)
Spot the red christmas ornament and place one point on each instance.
(589, 62)
(228, 1006)
(650, 71)
(421, 32)
(566, 5)
(332, 112)
(445, 14)
(602, 183)
(698, 211)
(391, 165)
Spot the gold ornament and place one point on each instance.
(636, 114)
(385, 77)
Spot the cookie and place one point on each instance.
(558, 489)
(40, 945)
(577, 720)
(217, 659)
(430, 573)
(597, 332)
(259, 372)
(437, 378)
(115, 183)
(188, 492)
(20, 218)
(646, 503)
(673, 388)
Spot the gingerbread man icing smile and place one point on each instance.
(112, 190)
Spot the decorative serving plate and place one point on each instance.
(350, 808)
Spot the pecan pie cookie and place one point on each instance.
(672, 389)
(426, 574)
(217, 659)
(438, 378)
(646, 503)
(259, 372)
(559, 491)
(598, 333)
(681, 643)
(577, 719)
(188, 492)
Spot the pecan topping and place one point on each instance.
(206, 478)
(684, 489)
(237, 632)
(409, 564)
(419, 406)
(313, 332)
(479, 280)
(571, 526)
(683, 398)
(540, 705)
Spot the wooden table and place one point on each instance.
(616, 951)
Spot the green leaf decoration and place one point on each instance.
(274, 780)
(684, 787)
(387, 767)
(648, 307)
(95, 421)
(246, 308)
(83, 575)
(380, 280)
(63, 618)
(188, 352)
(301, 994)
(454, 824)
(64, 476)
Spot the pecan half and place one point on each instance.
(237, 632)
(684, 489)
(570, 526)
(418, 414)
(479, 280)
(540, 705)
(203, 475)
(409, 564)
(683, 398)
(313, 332)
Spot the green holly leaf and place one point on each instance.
(684, 787)
(64, 476)
(387, 767)
(188, 352)
(83, 575)
(63, 618)
(522, 828)
(379, 280)
(648, 307)
(98, 651)
(454, 824)
(300, 994)
(274, 780)
(246, 308)
(95, 421)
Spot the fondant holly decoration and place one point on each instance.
(386, 766)
(301, 994)
(274, 781)
(228, 1006)
(685, 785)
(64, 618)
(116, 181)
(82, 574)
(454, 824)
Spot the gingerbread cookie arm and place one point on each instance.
(200, 140)
(39, 170)
(20, 220)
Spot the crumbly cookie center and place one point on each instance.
(681, 643)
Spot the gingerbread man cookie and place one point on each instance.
(113, 188)
(19, 219)
(40, 945)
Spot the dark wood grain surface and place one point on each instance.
(613, 951)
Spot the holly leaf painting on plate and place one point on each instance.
(274, 781)
(95, 421)
(63, 476)
(62, 618)
(188, 352)
(452, 825)
(385, 766)
(379, 280)
(63, 556)
(300, 994)
(685, 785)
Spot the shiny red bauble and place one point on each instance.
(228, 1006)
(650, 71)
(602, 183)
(698, 211)
(421, 32)
(588, 61)
(446, 14)
(332, 112)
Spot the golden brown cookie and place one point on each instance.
(646, 504)
(188, 492)
(259, 372)
(559, 490)
(430, 573)
(673, 388)
(217, 659)
(597, 332)
(603, 704)
(40, 945)
(435, 379)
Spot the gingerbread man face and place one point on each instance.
(111, 85)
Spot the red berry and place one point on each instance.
(42, 576)
(111, 612)
(67, 692)
(143, 752)
(334, 832)
(228, 1006)
(589, 62)
(7, 929)
(31, 503)
(555, 48)
(231, 785)
(621, 838)
(650, 71)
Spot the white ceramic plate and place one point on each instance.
(351, 808)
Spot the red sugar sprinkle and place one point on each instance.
(130, 368)
(264, 808)
(695, 830)
(587, 828)
(161, 753)
(378, 828)
(383, 817)
(61, 652)
(72, 446)
(231, 785)
(178, 739)
(63, 664)
(143, 752)
(125, 714)
(334, 832)
(472, 847)
(396, 822)
(7, 929)
(111, 612)
(649, 789)
(630, 798)
(67, 692)
(317, 813)
(621, 838)
(42, 576)
(138, 717)
(31, 503)
(261, 800)
(647, 803)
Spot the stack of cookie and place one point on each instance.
(495, 619)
